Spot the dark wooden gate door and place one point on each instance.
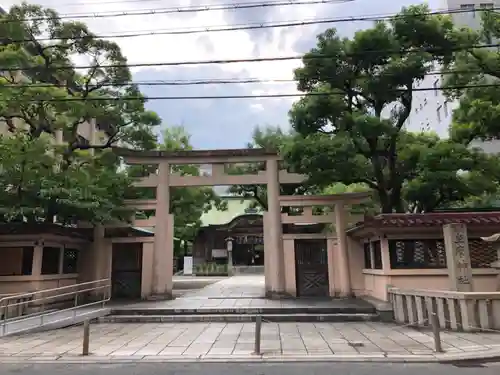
(311, 267)
(126, 272)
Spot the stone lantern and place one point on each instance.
(229, 246)
(495, 241)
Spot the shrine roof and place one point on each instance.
(428, 220)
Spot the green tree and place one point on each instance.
(43, 93)
(40, 86)
(359, 95)
(478, 114)
(269, 138)
(36, 189)
(186, 203)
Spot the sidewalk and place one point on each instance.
(235, 342)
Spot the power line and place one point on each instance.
(248, 26)
(207, 81)
(252, 60)
(259, 96)
(185, 9)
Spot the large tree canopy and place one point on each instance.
(359, 95)
(41, 87)
(35, 188)
(478, 115)
(269, 138)
(43, 95)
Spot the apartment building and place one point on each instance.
(431, 110)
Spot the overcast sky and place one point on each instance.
(220, 123)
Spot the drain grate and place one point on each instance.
(356, 344)
(468, 364)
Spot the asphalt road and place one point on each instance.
(248, 369)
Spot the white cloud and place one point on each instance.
(219, 123)
(172, 48)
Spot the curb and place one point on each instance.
(375, 358)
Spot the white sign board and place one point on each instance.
(188, 266)
(219, 253)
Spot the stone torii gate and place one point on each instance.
(163, 221)
(165, 178)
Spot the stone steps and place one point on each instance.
(238, 318)
(305, 310)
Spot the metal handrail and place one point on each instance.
(16, 296)
(55, 293)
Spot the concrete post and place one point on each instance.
(456, 244)
(163, 245)
(36, 265)
(344, 270)
(275, 245)
(100, 252)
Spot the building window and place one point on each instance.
(50, 260)
(445, 108)
(470, 7)
(438, 113)
(486, 5)
(27, 264)
(70, 261)
(417, 254)
(368, 255)
(377, 255)
(436, 87)
(16, 261)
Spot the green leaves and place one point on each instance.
(38, 187)
(479, 112)
(270, 138)
(104, 93)
(354, 132)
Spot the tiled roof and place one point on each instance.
(432, 219)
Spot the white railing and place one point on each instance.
(22, 312)
(455, 310)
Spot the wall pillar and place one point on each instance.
(268, 269)
(456, 244)
(147, 269)
(331, 247)
(100, 251)
(289, 262)
(275, 244)
(36, 265)
(343, 260)
(164, 237)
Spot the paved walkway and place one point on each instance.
(237, 292)
(235, 341)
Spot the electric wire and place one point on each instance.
(308, 56)
(242, 27)
(209, 81)
(251, 96)
(186, 9)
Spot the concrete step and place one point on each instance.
(237, 318)
(305, 310)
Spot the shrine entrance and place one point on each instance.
(311, 267)
(272, 246)
(126, 271)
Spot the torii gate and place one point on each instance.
(163, 221)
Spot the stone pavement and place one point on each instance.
(237, 292)
(235, 342)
